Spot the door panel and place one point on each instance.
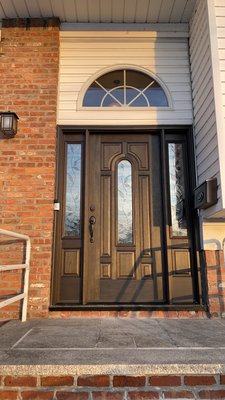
(125, 261)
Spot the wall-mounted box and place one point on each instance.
(205, 195)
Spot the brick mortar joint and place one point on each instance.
(112, 389)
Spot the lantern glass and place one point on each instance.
(6, 122)
(9, 123)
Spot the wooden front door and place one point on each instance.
(124, 255)
(120, 198)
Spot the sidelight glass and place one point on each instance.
(125, 206)
(177, 190)
(73, 190)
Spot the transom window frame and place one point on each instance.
(123, 108)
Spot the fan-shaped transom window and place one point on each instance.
(125, 88)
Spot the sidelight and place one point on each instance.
(177, 190)
(125, 206)
(73, 182)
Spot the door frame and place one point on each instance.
(197, 267)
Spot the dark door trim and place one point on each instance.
(163, 131)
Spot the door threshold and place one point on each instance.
(126, 307)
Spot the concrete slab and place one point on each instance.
(100, 343)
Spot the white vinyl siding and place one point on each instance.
(220, 30)
(205, 124)
(83, 57)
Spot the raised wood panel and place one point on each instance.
(106, 216)
(146, 271)
(125, 265)
(109, 151)
(144, 215)
(140, 150)
(72, 262)
(105, 271)
(181, 261)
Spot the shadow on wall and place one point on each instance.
(215, 265)
(217, 245)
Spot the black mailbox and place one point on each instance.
(205, 195)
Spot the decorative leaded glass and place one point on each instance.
(177, 189)
(125, 88)
(73, 183)
(125, 206)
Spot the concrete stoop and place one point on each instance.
(112, 359)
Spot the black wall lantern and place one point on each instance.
(8, 123)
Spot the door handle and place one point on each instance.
(92, 221)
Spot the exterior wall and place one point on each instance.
(86, 55)
(112, 387)
(207, 64)
(220, 25)
(218, 10)
(205, 125)
(215, 273)
(29, 76)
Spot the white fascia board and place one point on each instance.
(217, 93)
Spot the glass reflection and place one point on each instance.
(177, 189)
(125, 88)
(125, 214)
(73, 183)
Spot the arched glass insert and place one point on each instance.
(125, 87)
(125, 206)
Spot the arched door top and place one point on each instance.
(125, 88)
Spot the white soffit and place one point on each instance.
(101, 11)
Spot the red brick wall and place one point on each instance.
(215, 282)
(107, 387)
(29, 60)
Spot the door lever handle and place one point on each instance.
(92, 221)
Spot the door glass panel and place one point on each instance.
(177, 190)
(73, 182)
(125, 207)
